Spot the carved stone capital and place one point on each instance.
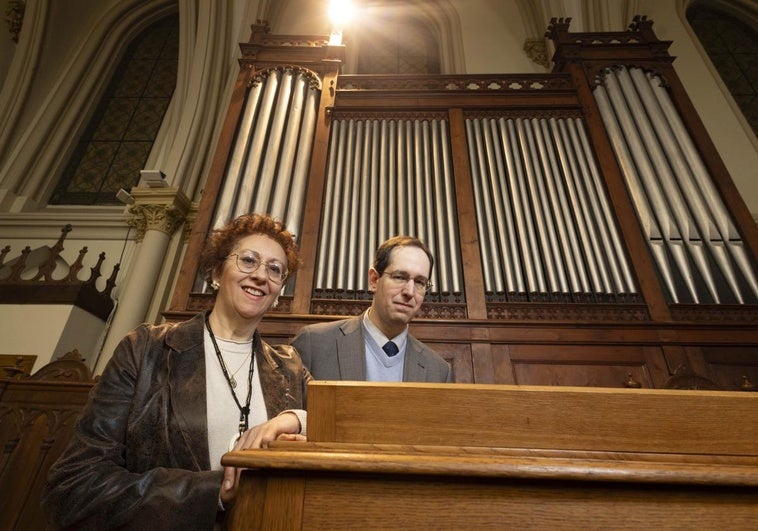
(163, 209)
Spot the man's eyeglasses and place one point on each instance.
(249, 261)
(400, 278)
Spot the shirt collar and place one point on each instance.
(379, 337)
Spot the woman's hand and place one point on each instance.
(292, 437)
(259, 436)
(285, 426)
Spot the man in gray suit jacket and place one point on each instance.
(376, 345)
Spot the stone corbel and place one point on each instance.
(14, 16)
(536, 50)
(189, 221)
(163, 209)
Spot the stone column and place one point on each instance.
(156, 214)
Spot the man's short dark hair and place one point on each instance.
(384, 252)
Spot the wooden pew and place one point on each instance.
(37, 415)
(427, 456)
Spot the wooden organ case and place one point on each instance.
(585, 230)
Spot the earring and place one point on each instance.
(214, 284)
(276, 302)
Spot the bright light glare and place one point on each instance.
(340, 12)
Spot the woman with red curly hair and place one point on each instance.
(146, 451)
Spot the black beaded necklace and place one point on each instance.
(244, 411)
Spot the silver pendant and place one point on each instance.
(233, 382)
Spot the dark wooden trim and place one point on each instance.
(314, 198)
(471, 260)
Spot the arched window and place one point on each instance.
(732, 45)
(121, 132)
(391, 45)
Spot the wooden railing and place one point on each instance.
(23, 283)
(429, 456)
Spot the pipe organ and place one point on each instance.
(584, 229)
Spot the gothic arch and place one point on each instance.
(441, 17)
(31, 171)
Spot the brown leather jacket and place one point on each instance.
(139, 455)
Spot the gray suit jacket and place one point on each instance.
(336, 351)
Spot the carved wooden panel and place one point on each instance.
(459, 358)
(37, 417)
(616, 366)
(16, 365)
(733, 368)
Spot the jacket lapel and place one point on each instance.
(274, 383)
(414, 369)
(186, 367)
(351, 350)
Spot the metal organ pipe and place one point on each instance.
(390, 206)
(347, 262)
(486, 164)
(585, 235)
(296, 204)
(332, 210)
(269, 162)
(561, 216)
(527, 237)
(273, 143)
(404, 199)
(453, 280)
(538, 204)
(619, 268)
(681, 175)
(507, 238)
(384, 178)
(551, 210)
(669, 227)
(644, 213)
(251, 177)
(594, 223)
(711, 209)
(546, 230)
(233, 178)
(291, 107)
(431, 234)
(442, 270)
(476, 156)
(362, 252)
(673, 187)
(691, 239)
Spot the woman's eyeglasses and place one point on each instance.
(249, 261)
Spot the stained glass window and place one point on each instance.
(121, 132)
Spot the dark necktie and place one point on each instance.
(390, 348)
